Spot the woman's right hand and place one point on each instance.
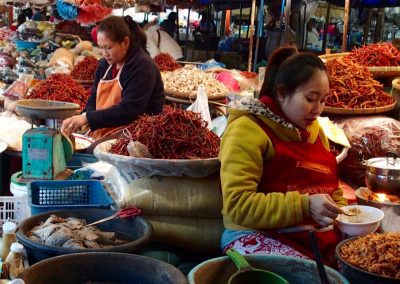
(323, 209)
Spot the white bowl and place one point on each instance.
(364, 223)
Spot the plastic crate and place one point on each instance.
(28, 45)
(14, 209)
(46, 196)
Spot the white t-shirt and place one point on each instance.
(166, 43)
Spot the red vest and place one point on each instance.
(306, 168)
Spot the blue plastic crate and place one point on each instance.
(28, 45)
(67, 194)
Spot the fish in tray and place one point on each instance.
(72, 233)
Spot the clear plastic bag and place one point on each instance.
(369, 137)
(200, 105)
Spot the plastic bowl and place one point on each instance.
(294, 270)
(103, 267)
(138, 229)
(364, 223)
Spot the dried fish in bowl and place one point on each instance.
(71, 233)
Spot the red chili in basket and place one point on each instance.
(60, 87)
(378, 54)
(166, 62)
(85, 69)
(248, 75)
(173, 134)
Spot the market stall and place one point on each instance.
(165, 167)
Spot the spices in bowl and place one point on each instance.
(366, 221)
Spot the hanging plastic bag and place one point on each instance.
(200, 105)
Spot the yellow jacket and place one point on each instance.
(244, 148)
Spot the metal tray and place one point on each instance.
(44, 109)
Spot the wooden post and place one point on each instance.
(327, 16)
(251, 28)
(187, 33)
(379, 26)
(346, 25)
(367, 26)
(288, 7)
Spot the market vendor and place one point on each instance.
(278, 177)
(127, 82)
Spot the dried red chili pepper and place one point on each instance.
(166, 62)
(378, 54)
(60, 87)
(173, 134)
(86, 69)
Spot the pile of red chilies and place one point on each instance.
(60, 87)
(166, 62)
(172, 134)
(378, 54)
(248, 75)
(85, 69)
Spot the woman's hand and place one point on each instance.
(323, 209)
(72, 124)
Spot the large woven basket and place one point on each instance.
(326, 57)
(385, 71)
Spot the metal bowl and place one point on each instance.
(138, 230)
(358, 275)
(383, 175)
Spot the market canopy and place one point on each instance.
(368, 3)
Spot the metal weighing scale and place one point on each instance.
(45, 150)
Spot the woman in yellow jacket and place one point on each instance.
(278, 176)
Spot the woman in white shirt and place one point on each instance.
(159, 41)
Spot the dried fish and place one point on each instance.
(71, 233)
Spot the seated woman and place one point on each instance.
(278, 177)
(127, 82)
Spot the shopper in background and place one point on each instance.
(169, 25)
(313, 41)
(277, 172)
(127, 82)
(159, 41)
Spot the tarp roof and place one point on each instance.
(368, 3)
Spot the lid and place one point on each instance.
(9, 228)
(385, 163)
(17, 247)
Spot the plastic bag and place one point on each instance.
(369, 137)
(17, 90)
(145, 167)
(200, 105)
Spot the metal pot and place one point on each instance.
(383, 174)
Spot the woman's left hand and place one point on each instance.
(72, 124)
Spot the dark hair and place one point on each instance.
(172, 16)
(21, 19)
(118, 28)
(290, 69)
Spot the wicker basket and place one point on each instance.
(326, 57)
(385, 71)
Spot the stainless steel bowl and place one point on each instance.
(383, 175)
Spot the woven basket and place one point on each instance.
(333, 55)
(385, 71)
(358, 111)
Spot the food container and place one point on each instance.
(295, 270)
(111, 267)
(358, 275)
(138, 230)
(383, 174)
(364, 223)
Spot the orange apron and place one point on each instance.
(109, 93)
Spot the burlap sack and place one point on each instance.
(176, 196)
(200, 235)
